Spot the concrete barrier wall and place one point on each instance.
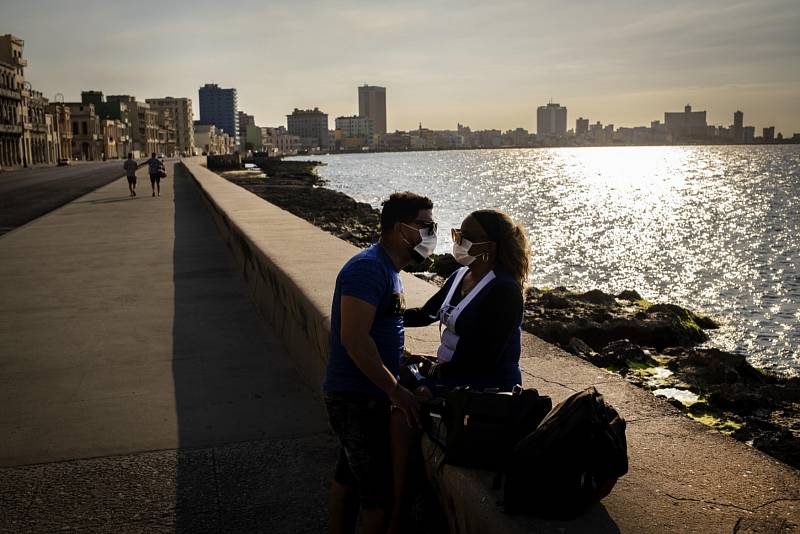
(684, 477)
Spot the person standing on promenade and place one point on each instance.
(367, 342)
(130, 171)
(155, 168)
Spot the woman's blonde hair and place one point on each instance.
(513, 249)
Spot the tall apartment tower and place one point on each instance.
(551, 120)
(581, 126)
(220, 107)
(372, 104)
(181, 111)
(738, 126)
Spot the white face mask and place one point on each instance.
(428, 243)
(461, 252)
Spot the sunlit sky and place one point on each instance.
(484, 64)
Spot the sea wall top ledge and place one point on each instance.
(684, 476)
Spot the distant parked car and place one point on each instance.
(161, 156)
(63, 162)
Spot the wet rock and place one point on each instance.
(621, 353)
(703, 368)
(595, 296)
(629, 295)
(577, 347)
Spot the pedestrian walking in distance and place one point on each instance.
(156, 169)
(130, 172)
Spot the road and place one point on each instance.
(30, 193)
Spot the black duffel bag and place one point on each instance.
(482, 427)
(572, 460)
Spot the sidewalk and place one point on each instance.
(141, 390)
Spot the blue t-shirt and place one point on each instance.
(370, 276)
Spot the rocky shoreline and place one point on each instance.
(659, 347)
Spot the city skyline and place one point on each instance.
(486, 66)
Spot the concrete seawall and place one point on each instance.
(684, 477)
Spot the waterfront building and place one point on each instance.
(372, 104)
(11, 114)
(85, 131)
(253, 138)
(355, 132)
(63, 128)
(285, 143)
(768, 134)
(183, 118)
(10, 117)
(244, 120)
(395, 141)
(738, 127)
(212, 140)
(551, 121)
(114, 136)
(687, 124)
(311, 126)
(749, 134)
(165, 119)
(144, 124)
(220, 107)
(517, 137)
(356, 126)
(26, 135)
(581, 126)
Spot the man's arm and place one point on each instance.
(357, 317)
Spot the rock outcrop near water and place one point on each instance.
(655, 346)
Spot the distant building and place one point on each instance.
(686, 125)
(517, 137)
(749, 134)
(86, 132)
(245, 120)
(212, 140)
(551, 121)
(144, 124)
(356, 126)
(253, 138)
(372, 104)
(769, 134)
(738, 127)
(581, 126)
(220, 107)
(311, 126)
(183, 116)
(115, 125)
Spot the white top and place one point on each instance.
(448, 315)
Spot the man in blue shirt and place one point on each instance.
(366, 345)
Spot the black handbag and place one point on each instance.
(482, 427)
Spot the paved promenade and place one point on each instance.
(140, 390)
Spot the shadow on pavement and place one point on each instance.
(254, 452)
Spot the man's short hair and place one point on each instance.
(402, 207)
(130, 155)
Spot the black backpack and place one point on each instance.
(572, 460)
(482, 427)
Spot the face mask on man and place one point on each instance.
(427, 243)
